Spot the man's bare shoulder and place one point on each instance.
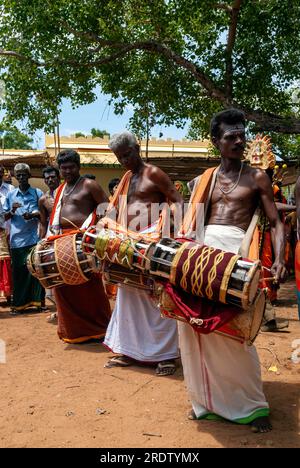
(90, 184)
(43, 198)
(155, 173)
(258, 176)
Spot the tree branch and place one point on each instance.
(268, 122)
(17, 55)
(229, 48)
(223, 6)
(264, 120)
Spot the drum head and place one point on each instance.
(258, 307)
(254, 285)
(251, 285)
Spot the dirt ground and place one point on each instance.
(59, 395)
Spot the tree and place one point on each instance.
(13, 138)
(79, 134)
(95, 132)
(185, 58)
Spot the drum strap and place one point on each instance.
(248, 246)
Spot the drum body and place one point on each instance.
(162, 256)
(243, 283)
(244, 327)
(116, 248)
(115, 274)
(61, 261)
(200, 270)
(246, 324)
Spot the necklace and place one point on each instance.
(66, 194)
(226, 192)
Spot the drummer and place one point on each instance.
(83, 310)
(21, 207)
(222, 375)
(136, 332)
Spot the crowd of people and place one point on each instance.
(222, 376)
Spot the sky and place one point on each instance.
(100, 115)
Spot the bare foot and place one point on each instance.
(119, 361)
(191, 415)
(166, 368)
(52, 318)
(261, 424)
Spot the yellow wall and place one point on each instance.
(103, 177)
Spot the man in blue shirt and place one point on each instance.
(21, 207)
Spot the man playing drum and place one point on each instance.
(223, 375)
(83, 310)
(136, 330)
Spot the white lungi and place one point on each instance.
(137, 330)
(222, 375)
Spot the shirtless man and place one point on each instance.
(223, 376)
(136, 330)
(51, 179)
(83, 310)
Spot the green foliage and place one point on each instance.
(12, 138)
(95, 132)
(79, 135)
(169, 59)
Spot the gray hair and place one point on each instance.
(22, 167)
(121, 139)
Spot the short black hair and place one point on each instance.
(68, 155)
(228, 116)
(90, 176)
(48, 169)
(113, 183)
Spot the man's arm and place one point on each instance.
(99, 196)
(277, 229)
(284, 207)
(165, 185)
(95, 191)
(43, 224)
(297, 194)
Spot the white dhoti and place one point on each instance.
(222, 375)
(137, 330)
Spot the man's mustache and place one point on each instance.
(239, 147)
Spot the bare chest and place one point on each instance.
(141, 189)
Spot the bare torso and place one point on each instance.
(143, 191)
(77, 206)
(237, 207)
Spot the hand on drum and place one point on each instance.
(279, 271)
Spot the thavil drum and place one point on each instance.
(61, 261)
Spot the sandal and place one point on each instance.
(165, 368)
(119, 361)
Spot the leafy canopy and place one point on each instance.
(172, 60)
(12, 138)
